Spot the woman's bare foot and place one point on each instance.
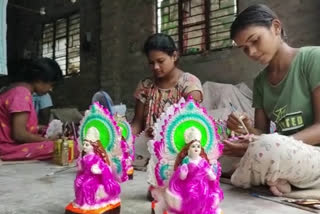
(279, 187)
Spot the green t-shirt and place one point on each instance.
(289, 103)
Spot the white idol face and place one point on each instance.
(195, 149)
(87, 147)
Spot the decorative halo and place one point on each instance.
(190, 115)
(125, 129)
(169, 138)
(102, 120)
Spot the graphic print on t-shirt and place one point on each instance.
(288, 121)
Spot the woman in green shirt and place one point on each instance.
(287, 93)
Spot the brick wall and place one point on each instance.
(115, 62)
(24, 34)
(126, 24)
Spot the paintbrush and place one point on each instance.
(240, 117)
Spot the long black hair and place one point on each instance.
(159, 42)
(254, 15)
(43, 69)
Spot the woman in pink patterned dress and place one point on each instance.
(167, 86)
(19, 138)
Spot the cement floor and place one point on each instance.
(33, 189)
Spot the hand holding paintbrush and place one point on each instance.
(238, 122)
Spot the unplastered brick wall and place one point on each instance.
(119, 27)
(75, 91)
(232, 66)
(125, 24)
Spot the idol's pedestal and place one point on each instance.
(109, 209)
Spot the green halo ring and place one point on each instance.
(103, 126)
(177, 125)
(125, 131)
(178, 137)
